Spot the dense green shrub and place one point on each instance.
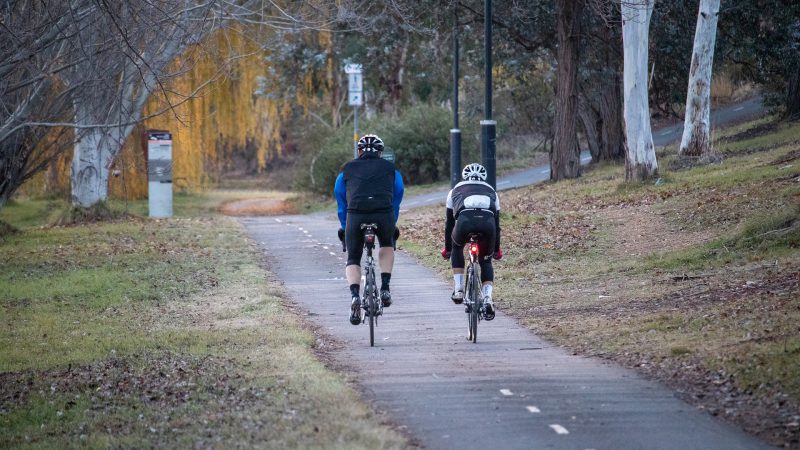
(420, 139)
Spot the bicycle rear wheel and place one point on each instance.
(474, 308)
(371, 307)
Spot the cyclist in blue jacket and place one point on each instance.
(369, 189)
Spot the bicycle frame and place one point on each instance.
(472, 294)
(371, 304)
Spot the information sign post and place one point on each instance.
(355, 98)
(159, 173)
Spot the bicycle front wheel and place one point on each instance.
(373, 311)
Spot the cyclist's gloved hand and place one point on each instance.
(341, 234)
(498, 255)
(445, 253)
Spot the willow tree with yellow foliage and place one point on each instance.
(144, 77)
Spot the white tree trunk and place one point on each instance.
(640, 160)
(93, 154)
(696, 126)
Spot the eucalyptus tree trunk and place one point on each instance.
(592, 127)
(565, 160)
(640, 159)
(92, 157)
(612, 136)
(697, 122)
(793, 93)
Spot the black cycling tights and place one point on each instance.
(457, 261)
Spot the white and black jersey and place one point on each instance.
(481, 204)
(473, 195)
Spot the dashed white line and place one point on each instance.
(503, 182)
(506, 392)
(559, 429)
(325, 247)
(739, 108)
(332, 254)
(664, 133)
(545, 171)
(278, 220)
(588, 158)
(533, 409)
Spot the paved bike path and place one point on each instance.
(510, 390)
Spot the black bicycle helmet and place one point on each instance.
(370, 143)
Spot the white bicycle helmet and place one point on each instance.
(474, 171)
(370, 143)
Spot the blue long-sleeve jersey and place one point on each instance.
(340, 192)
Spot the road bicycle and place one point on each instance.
(473, 296)
(371, 304)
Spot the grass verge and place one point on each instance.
(168, 334)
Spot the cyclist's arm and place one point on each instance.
(399, 189)
(497, 232)
(449, 223)
(340, 192)
(497, 223)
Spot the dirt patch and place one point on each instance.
(750, 133)
(257, 207)
(6, 229)
(640, 230)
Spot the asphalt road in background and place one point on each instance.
(511, 390)
(663, 136)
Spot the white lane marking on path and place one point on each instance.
(300, 228)
(559, 429)
(325, 247)
(588, 158)
(503, 182)
(506, 392)
(332, 254)
(545, 171)
(533, 409)
(664, 133)
(278, 220)
(739, 108)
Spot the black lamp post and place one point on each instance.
(455, 133)
(488, 126)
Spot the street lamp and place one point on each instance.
(455, 132)
(488, 126)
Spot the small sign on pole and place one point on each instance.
(352, 68)
(159, 173)
(355, 97)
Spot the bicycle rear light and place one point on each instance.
(370, 238)
(473, 249)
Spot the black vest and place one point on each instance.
(369, 181)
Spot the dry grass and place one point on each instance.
(693, 281)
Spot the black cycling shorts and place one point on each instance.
(354, 236)
(474, 221)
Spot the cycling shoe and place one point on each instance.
(355, 311)
(457, 297)
(386, 298)
(488, 309)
